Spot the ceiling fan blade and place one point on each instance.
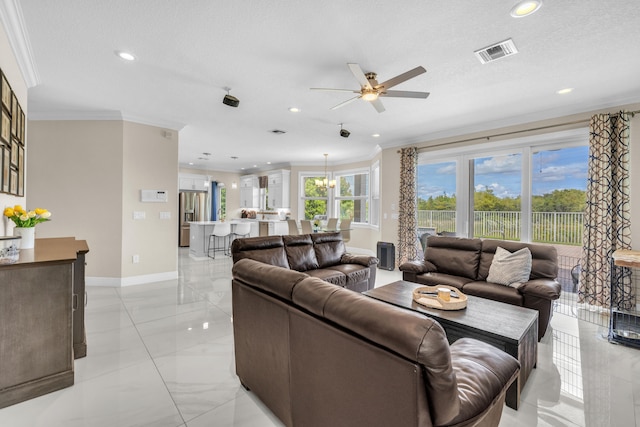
(404, 94)
(360, 77)
(402, 78)
(348, 101)
(377, 104)
(335, 90)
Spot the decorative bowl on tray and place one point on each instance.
(432, 297)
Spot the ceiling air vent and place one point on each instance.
(496, 51)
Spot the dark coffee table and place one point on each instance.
(508, 327)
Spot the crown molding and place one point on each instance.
(103, 115)
(13, 22)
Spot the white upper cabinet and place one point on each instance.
(249, 192)
(279, 189)
(191, 182)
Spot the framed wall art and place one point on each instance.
(4, 174)
(5, 93)
(14, 153)
(20, 171)
(12, 140)
(5, 127)
(14, 112)
(13, 182)
(22, 127)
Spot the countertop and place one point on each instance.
(50, 250)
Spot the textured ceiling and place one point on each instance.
(271, 52)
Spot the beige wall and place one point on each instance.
(390, 163)
(89, 175)
(149, 163)
(10, 68)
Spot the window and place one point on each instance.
(375, 194)
(314, 199)
(437, 197)
(352, 196)
(497, 196)
(532, 189)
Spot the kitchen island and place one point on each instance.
(201, 230)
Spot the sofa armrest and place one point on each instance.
(542, 288)
(417, 267)
(365, 260)
(477, 363)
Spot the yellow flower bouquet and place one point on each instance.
(25, 219)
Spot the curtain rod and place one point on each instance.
(515, 132)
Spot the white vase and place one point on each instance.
(28, 236)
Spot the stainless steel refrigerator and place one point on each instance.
(193, 206)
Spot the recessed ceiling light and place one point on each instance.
(191, 163)
(125, 55)
(376, 135)
(294, 109)
(268, 163)
(565, 91)
(525, 8)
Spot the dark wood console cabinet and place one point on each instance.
(37, 319)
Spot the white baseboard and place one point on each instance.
(119, 282)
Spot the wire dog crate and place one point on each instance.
(624, 326)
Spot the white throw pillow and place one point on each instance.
(510, 269)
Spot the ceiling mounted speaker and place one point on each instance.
(231, 101)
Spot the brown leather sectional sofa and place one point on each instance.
(320, 355)
(321, 255)
(464, 263)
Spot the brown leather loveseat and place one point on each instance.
(465, 263)
(321, 255)
(319, 355)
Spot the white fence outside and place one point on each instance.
(548, 227)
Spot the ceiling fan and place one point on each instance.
(371, 90)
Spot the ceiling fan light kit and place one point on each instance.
(371, 90)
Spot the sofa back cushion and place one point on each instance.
(544, 258)
(266, 249)
(300, 253)
(277, 281)
(410, 334)
(329, 248)
(454, 255)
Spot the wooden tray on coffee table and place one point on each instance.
(428, 296)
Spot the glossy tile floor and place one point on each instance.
(161, 354)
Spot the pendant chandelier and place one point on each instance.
(325, 183)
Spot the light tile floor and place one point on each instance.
(161, 354)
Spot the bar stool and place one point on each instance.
(220, 230)
(242, 229)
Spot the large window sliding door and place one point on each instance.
(530, 190)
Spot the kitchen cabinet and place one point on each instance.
(278, 189)
(273, 228)
(249, 192)
(190, 182)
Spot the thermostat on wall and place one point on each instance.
(159, 196)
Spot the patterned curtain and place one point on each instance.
(407, 224)
(607, 218)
